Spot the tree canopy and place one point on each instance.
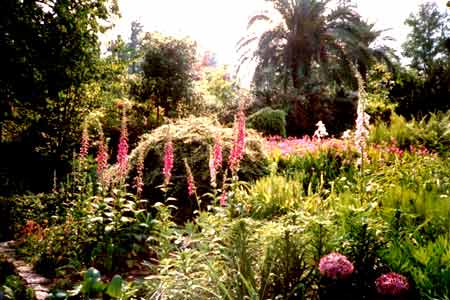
(310, 42)
(168, 70)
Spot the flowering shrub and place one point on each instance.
(392, 284)
(335, 266)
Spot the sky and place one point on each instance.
(217, 25)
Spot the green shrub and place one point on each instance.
(268, 121)
(192, 139)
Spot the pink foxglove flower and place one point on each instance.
(237, 150)
(168, 161)
(392, 284)
(84, 149)
(190, 179)
(335, 266)
(122, 153)
(102, 156)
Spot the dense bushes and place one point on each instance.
(268, 121)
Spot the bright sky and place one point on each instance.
(217, 25)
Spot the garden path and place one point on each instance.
(25, 271)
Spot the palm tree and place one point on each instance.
(311, 41)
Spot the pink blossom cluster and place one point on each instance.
(393, 148)
(335, 266)
(102, 156)
(84, 149)
(392, 284)
(237, 151)
(301, 146)
(122, 153)
(168, 161)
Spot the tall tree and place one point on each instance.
(50, 50)
(310, 41)
(426, 43)
(168, 71)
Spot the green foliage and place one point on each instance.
(309, 44)
(286, 273)
(274, 195)
(167, 71)
(46, 77)
(316, 172)
(432, 132)
(378, 104)
(268, 121)
(216, 87)
(427, 264)
(425, 45)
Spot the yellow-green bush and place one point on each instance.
(268, 121)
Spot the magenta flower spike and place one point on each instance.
(168, 161)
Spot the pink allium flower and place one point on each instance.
(102, 156)
(237, 151)
(190, 179)
(392, 284)
(139, 181)
(335, 266)
(84, 149)
(168, 161)
(122, 153)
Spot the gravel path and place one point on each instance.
(25, 271)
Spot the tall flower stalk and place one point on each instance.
(237, 150)
(362, 130)
(122, 153)
(84, 148)
(215, 160)
(168, 160)
(139, 179)
(102, 158)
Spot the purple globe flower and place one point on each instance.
(392, 284)
(335, 266)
